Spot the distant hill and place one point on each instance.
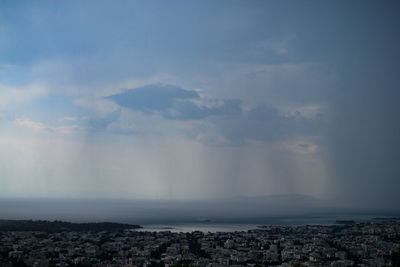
(60, 226)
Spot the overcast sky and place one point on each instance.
(200, 99)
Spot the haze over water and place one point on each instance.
(182, 216)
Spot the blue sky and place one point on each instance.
(199, 99)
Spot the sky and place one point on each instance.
(197, 100)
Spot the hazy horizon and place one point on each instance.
(278, 209)
(200, 101)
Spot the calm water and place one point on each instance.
(203, 227)
(180, 216)
(232, 227)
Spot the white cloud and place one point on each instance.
(15, 95)
(36, 126)
(70, 118)
(43, 128)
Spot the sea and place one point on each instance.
(180, 216)
(214, 227)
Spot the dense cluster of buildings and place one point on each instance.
(358, 244)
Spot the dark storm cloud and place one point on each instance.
(174, 103)
(152, 97)
(265, 123)
(364, 123)
(225, 118)
(262, 123)
(363, 141)
(263, 112)
(186, 110)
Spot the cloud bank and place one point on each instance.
(202, 100)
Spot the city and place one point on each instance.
(352, 244)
